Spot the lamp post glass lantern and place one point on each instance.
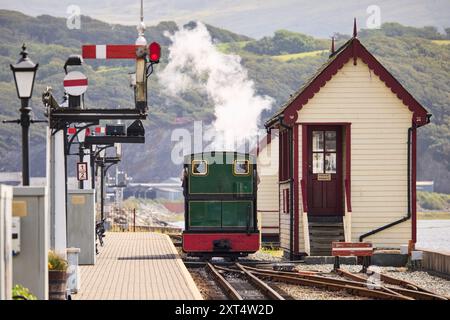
(24, 72)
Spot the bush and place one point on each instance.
(21, 293)
(433, 201)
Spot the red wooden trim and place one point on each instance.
(348, 159)
(270, 227)
(354, 49)
(304, 166)
(296, 191)
(324, 123)
(413, 185)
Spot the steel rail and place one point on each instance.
(408, 288)
(419, 295)
(224, 284)
(361, 279)
(300, 273)
(228, 269)
(261, 285)
(328, 285)
(401, 293)
(405, 284)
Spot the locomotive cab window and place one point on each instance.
(241, 167)
(199, 167)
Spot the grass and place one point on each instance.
(301, 55)
(434, 201)
(441, 42)
(433, 215)
(277, 253)
(228, 46)
(104, 69)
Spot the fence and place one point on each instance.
(437, 262)
(124, 220)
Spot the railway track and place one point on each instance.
(241, 282)
(391, 289)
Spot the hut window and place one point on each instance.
(324, 151)
(199, 167)
(317, 141)
(330, 141)
(330, 162)
(317, 162)
(241, 167)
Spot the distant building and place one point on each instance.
(425, 186)
(172, 193)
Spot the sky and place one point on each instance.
(255, 18)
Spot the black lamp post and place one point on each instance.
(24, 74)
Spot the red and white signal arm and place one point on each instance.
(82, 171)
(75, 83)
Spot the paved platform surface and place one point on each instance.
(138, 266)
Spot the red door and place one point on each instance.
(325, 171)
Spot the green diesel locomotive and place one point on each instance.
(220, 204)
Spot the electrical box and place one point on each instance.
(15, 228)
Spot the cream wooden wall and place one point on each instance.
(284, 220)
(379, 128)
(267, 197)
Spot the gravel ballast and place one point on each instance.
(420, 278)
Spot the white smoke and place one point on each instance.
(196, 64)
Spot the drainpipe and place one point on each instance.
(291, 188)
(408, 215)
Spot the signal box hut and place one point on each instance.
(347, 160)
(267, 196)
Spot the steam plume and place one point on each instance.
(196, 64)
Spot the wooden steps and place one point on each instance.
(322, 234)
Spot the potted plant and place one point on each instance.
(57, 276)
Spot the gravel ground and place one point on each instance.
(309, 293)
(419, 278)
(206, 285)
(262, 256)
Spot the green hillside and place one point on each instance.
(278, 65)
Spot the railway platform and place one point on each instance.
(137, 266)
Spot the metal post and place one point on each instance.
(81, 154)
(25, 123)
(337, 264)
(102, 191)
(92, 163)
(134, 219)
